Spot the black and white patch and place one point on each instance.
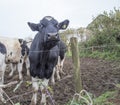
(24, 47)
(48, 18)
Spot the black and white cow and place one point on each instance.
(17, 52)
(43, 54)
(59, 67)
(23, 58)
(2, 67)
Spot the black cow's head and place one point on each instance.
(49, 27)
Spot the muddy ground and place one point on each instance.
(97, 76)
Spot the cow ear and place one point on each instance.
(63, 25)
(33, 26)
(20, 40)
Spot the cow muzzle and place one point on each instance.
(52, 36)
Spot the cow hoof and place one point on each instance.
(10, 75)
(3, 100)
(28, 73)
(53, 81)
(43, 104)
(32, 103)
(58, 78)
(20, 78)
(62, 72)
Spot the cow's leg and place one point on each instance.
(53, 76)
(27, 66)
(13, 68)
(43, 88)
(57, 68)
(20, 66)
(61, 66)
(35, 86)
(2, 71)
(58, 71)
(1, 96)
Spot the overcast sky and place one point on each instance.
(14, 14)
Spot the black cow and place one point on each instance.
(59, 67)
(44, 52)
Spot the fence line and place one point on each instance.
(76, 64)
(102, 46)
(48, 50)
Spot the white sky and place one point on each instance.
(14, 14)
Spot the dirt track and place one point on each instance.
(96, 76)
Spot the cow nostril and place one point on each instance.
(48, 36)
(56, 35)
(52, 36)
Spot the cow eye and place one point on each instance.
(41, 26)
(56, 25)
(10, 53)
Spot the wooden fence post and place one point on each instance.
(76, 63)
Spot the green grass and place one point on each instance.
(101, 100)
(69, 54)
(108, 55)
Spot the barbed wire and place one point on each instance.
(48, 50)
(81, 48)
